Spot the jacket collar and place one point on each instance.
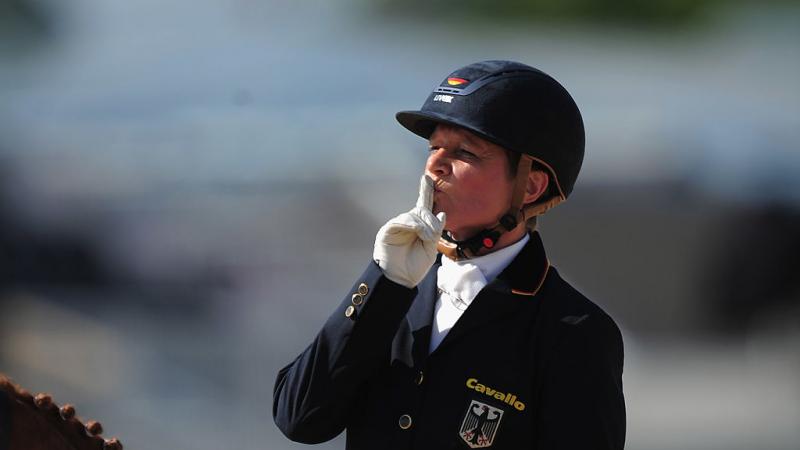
(518, 282)
(526, 273)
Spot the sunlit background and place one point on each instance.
(188, 188)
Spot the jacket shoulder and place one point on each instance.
(567, 313)
(570, 306)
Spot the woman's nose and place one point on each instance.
(437, 164)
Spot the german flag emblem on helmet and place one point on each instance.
(453, 81)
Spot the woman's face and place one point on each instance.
(473, 184)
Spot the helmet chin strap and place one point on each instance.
(516, 214)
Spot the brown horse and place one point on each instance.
(36, 423)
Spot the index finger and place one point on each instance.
(425, 199)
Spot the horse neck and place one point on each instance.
(27, 427)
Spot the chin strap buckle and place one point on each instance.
(457, 250)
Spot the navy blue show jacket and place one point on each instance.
(531, 364)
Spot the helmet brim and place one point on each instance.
(423, 123)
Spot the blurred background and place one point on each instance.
(188, 188)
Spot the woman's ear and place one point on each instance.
(538, 181)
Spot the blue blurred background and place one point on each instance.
(188, 188)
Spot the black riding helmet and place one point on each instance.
(515, 106)
(521, 109)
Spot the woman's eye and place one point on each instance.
(466, 153)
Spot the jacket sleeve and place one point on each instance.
(313, 394)
(582, 403)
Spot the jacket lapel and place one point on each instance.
(420, 315)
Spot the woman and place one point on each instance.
(484, 345)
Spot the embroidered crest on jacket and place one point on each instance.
(480, 424)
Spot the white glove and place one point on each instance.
(405, 247)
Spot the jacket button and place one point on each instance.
(405, 421)
(418, 379)
(350, 312)
(357, 299)
(363, 289)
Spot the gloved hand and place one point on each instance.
(405, 247)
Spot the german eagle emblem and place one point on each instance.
(480, 424)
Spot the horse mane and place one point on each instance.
(37, 423)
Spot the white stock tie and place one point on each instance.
(458, 284)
